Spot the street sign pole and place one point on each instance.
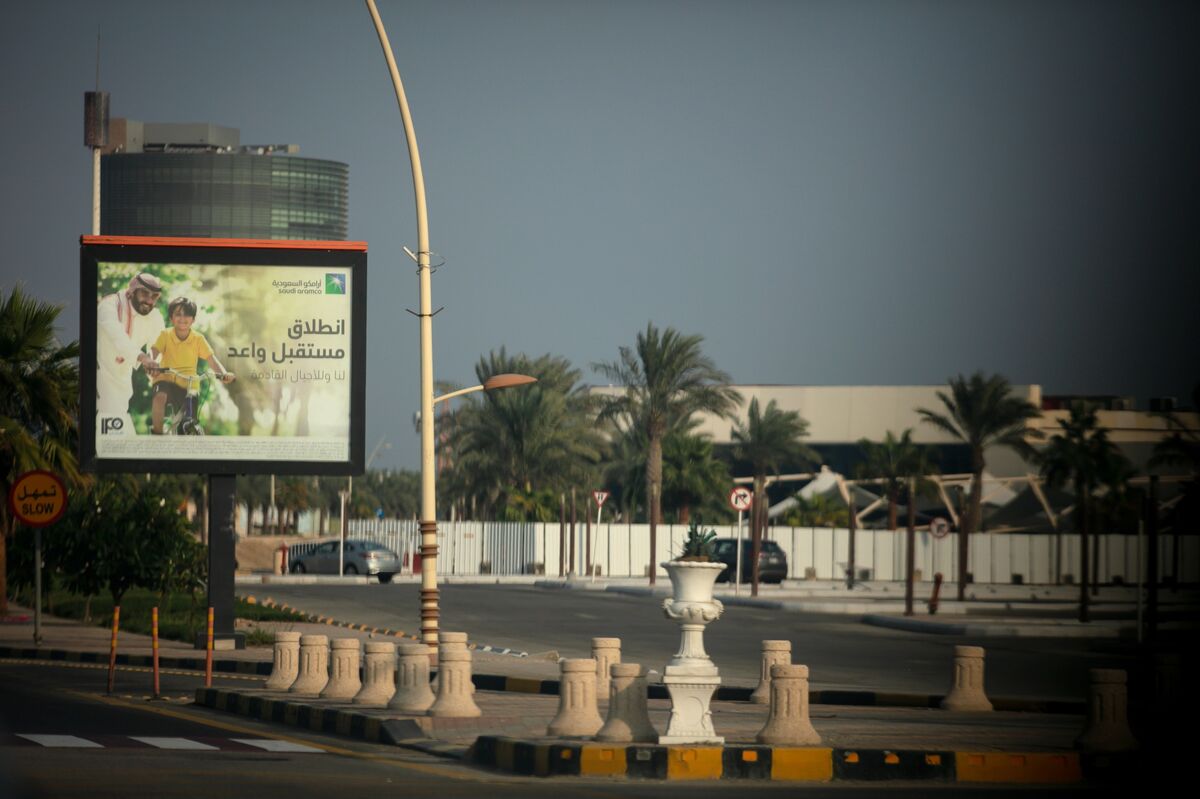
(599, 511)
(599, 497)
(741, 499)
(37, 586)
(737, 586)
(37, 499)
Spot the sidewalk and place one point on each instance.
(864, 735)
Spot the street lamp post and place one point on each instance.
(428, 521)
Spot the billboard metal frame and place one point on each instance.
(94, 250)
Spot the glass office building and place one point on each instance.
(196, 179)
(223, 195)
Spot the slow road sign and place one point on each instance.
(38, 498)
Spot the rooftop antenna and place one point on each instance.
(95, 134)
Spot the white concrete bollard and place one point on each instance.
(967, 693)
(578, 715)
(454, 686)
(628, 714)
(314, 665)
(413, 694)
(774, 653)
(605, 651)
(287, 662)
(379, 674)
(456, 641)
(1107, 727)
(452, 640)
(345, 656)
(788, 723)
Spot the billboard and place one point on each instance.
(211, 356)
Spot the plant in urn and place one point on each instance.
(691, 677)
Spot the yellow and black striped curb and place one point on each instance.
(366, 628)
(224, 666)
(652, 761)
(779, 763)
(330, 720)
(316, 619)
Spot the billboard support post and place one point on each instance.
(221, 559)
(37, 586)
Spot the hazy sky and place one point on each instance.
(830, 193)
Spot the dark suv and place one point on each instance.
(772, 561)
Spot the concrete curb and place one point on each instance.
(778, 763)
(527, 685)
(331, 720)
(909, 624)
(543, 758)
(303, 579)
(366, 628)
(223, 666)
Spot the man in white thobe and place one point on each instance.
(127, 323)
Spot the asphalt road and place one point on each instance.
(227, 758)
(840, 651)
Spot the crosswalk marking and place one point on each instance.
(272, 745)
(205, 744)
(60, 741)
(171, 743)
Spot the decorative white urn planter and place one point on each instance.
(691, 677)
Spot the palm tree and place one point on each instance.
(666, 378)
(768, 440)
(896, 463)
(1082, 455)
(981, 412)
(38, 404)
(537, 439)
(891, 462)
(693, 478)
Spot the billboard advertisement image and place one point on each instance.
(222, 357)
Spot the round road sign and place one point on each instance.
(741, 498)
(939, 527)
(38, 498)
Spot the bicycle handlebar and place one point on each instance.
(191, 379)
(166, 370)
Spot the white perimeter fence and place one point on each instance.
(621, 550)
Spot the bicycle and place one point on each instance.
(185, 421)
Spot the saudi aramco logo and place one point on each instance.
(335, 283)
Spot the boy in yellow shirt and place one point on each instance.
(180, 348)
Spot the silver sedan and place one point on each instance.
(361, 557)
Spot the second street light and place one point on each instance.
(428, 521)
(429, 590)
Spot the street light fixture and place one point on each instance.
(494, 382)
(428, 522)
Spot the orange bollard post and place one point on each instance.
(112, 647)
(154, 647)
(208, 652)
(937, 587)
